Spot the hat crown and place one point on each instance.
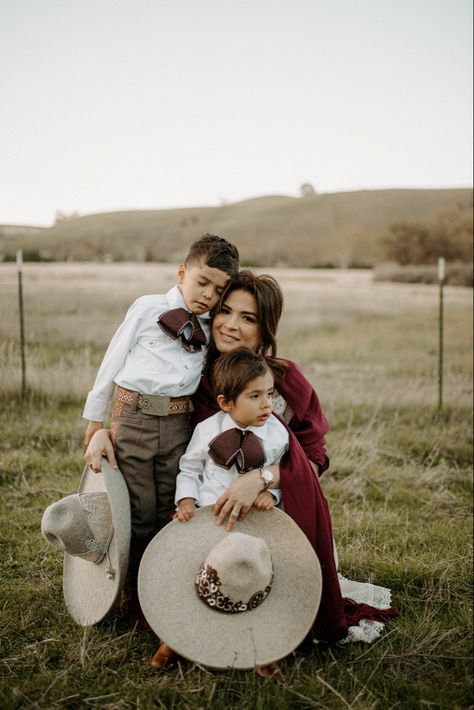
(237, 574)
(79, 524)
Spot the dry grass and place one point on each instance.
(458, 273)
(359, 341)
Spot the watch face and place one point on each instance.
(267, 476)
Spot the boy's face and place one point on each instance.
(253, 405)
(201, 286)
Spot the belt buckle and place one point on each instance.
(158, 405)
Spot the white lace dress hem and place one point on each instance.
(365, 593)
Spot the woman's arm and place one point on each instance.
(308, 422)
(100, 445)
(241, 495)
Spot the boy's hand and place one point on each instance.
(185, 509)
(264, 501)
(100, 445)
(92, 427)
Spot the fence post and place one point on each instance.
(19, 263)
(441, 277)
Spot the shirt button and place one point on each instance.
(181, 384)
(186, 367)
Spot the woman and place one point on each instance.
(248, 315)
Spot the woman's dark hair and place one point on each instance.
(269, 304)
(269, 301)
(232, 372)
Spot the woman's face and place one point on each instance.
(237, 326)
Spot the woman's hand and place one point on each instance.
(238, 499)
(100, 445)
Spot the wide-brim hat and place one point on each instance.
(258, 636)
(92, 588)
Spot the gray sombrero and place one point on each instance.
(92, 528)
(235, 599)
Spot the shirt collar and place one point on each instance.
(176, 300)
(228, 423)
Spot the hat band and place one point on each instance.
(98, 518)
(208, 590)
(94, 545)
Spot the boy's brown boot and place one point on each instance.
(271, 671)
(163, 656)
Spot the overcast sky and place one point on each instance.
(122, 104)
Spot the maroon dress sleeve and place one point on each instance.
(308, 422)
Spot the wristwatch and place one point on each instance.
(267, 477)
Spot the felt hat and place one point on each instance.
(235, 599)
(92, 528)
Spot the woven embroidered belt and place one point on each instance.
(157, 404)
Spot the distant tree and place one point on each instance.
(60, 216)
(307, 190)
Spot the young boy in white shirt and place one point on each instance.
(154, 363)
(243, 436)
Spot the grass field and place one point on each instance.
(399, 488)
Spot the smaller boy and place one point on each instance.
(243, 436)
(154, 364)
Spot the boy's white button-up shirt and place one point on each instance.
(202, 479)
(141, 357)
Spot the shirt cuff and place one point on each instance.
(95, 408)
(186, 488)
(276, 493)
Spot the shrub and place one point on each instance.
(448, 235)
(457, 273)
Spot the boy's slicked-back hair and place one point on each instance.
(215, 252)
(232, 372)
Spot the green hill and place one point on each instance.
(338, 229)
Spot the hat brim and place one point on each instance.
(221, 640)
(89, 594)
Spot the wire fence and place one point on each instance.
(336, 324)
